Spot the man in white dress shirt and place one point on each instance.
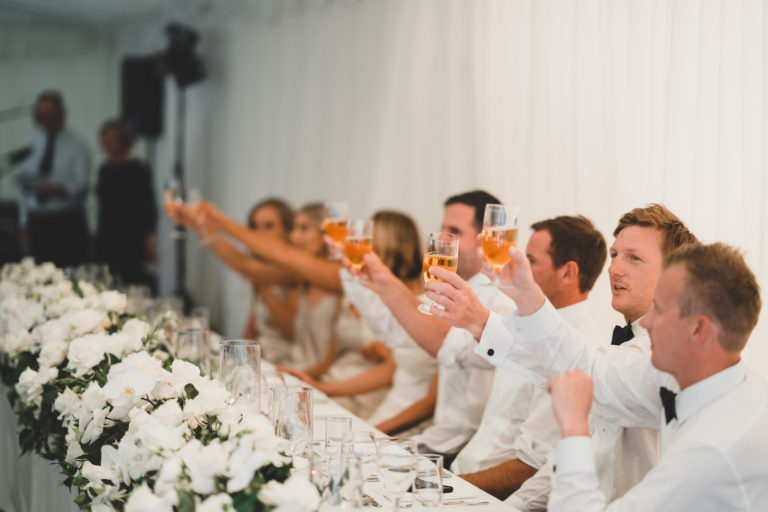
(643, 237)
(518, 429)
(461, 392)
(54, 184)
(712, 410)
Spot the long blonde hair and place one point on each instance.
(396, 242)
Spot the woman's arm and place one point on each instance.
(308, 267)
(378, 377)
(282, 312)
(417, 412)
(257, 272)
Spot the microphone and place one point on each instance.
(18, 155)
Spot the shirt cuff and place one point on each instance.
(496, 340)
(574, 455)
(535, 327)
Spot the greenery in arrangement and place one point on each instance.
(133, 429)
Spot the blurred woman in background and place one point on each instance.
(125, 238)
(403, 364)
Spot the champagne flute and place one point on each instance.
(498, 235)
(442, 251)
(335, 222)
(174, 199)
(358, 242)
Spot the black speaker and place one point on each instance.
(142, 94)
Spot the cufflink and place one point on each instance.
(490, 352)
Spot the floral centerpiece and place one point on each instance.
(132, 428)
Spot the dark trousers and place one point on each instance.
(60, 237)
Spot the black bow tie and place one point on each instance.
(622, 334)
(668, 401)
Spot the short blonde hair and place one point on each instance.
(658, 216)
(720, 285)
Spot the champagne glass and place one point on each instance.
(442, 251)
(498, 235)
(396, 465)
(335, 222)
(174, 199)
(358, 243)
(428, 485)
(239, 371)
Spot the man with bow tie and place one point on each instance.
(712, 410)
(643, 237)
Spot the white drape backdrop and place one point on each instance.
(562, 107)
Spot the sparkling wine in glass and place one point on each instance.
(358, 242)
(499, 234)
(442, 251)
(335, 223)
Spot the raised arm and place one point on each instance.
(425, 330)
(307, 267)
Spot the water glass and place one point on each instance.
(428, 485)
(362, 444)
(193, 346)
(396, 465)
(199, 318)
(293, 419)
(239, 371)
(336, 430)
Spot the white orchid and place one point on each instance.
(125, 390)
(142, 499)
(216, 503)
(67, 403)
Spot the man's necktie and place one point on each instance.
(668, 401)
(622, 334)
(46, 163)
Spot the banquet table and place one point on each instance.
(30, 483)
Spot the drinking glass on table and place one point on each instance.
(192, 345)
(337, 428)
(362, 444)
(239, 371)
(498, 235)
(335, 222)
(442, 251)
(396, 465)
(358, 242)
(293, 420)
(428, 484)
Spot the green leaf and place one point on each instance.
(191, 391)
(186, 501)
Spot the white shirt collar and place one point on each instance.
(637, 329)
(697, 396)
(573, 312)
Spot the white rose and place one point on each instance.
(204, 464)
(216, 503)
(29, 387)
(296, 493)
(67, 403)
(57, 308)
(242, 464)
(31, 314)
(48, 374)
(211, 400)
(85, 353)
(85, 321)
(136, 328)
(140, 361)
(153, 433)
(169, 414)
(53, 352)
(112, 301)
(143, 499)
(92, 400)
(121, 344)
(87, 289)
(14, 337)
